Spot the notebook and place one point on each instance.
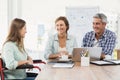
(113, 61)
(101, 63)
(106, 62)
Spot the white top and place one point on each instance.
(62, 49)
(96, 43)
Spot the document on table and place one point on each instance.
(35, 70)
(101, 62)
(114, 61)
(63, 65)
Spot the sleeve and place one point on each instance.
(72, 44)
(110, 45)
(8, 56)
(49, 47)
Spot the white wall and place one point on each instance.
(45, 12)
(36, 12)
(3, 21)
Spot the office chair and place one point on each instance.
(27, 66)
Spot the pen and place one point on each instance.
(81, 54)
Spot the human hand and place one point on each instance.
(64, 53)
(102, 56)
(29, 59)
(58, 55)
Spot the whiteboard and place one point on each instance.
(80, 20)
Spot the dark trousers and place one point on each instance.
(31, 76)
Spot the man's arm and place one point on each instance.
(109, 45)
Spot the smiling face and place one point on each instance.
(98, 26)
(61, 27)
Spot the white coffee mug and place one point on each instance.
(64, 57)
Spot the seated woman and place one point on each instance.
(61, 43)
(13, 53)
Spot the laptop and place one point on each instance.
(94, 53)
(76, 54)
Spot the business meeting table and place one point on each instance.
(78, 72)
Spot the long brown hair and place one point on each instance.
(65, 21)
(14, 33)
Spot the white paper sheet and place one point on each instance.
(63, 65)
(101, 62)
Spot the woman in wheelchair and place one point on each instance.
(13, 52)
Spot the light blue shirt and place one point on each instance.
(53, 45)
(11, 55)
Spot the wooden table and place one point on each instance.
(93, 72)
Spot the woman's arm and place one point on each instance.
(28, 61)
(23, 62)
(53, 56)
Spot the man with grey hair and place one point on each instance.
(100, 37)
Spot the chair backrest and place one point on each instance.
(1, 69)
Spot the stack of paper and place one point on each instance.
(63, 65)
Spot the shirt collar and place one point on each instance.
(104, 35)
(56, 37)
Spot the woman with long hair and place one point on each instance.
(13, 53)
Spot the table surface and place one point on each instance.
(78, 72)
